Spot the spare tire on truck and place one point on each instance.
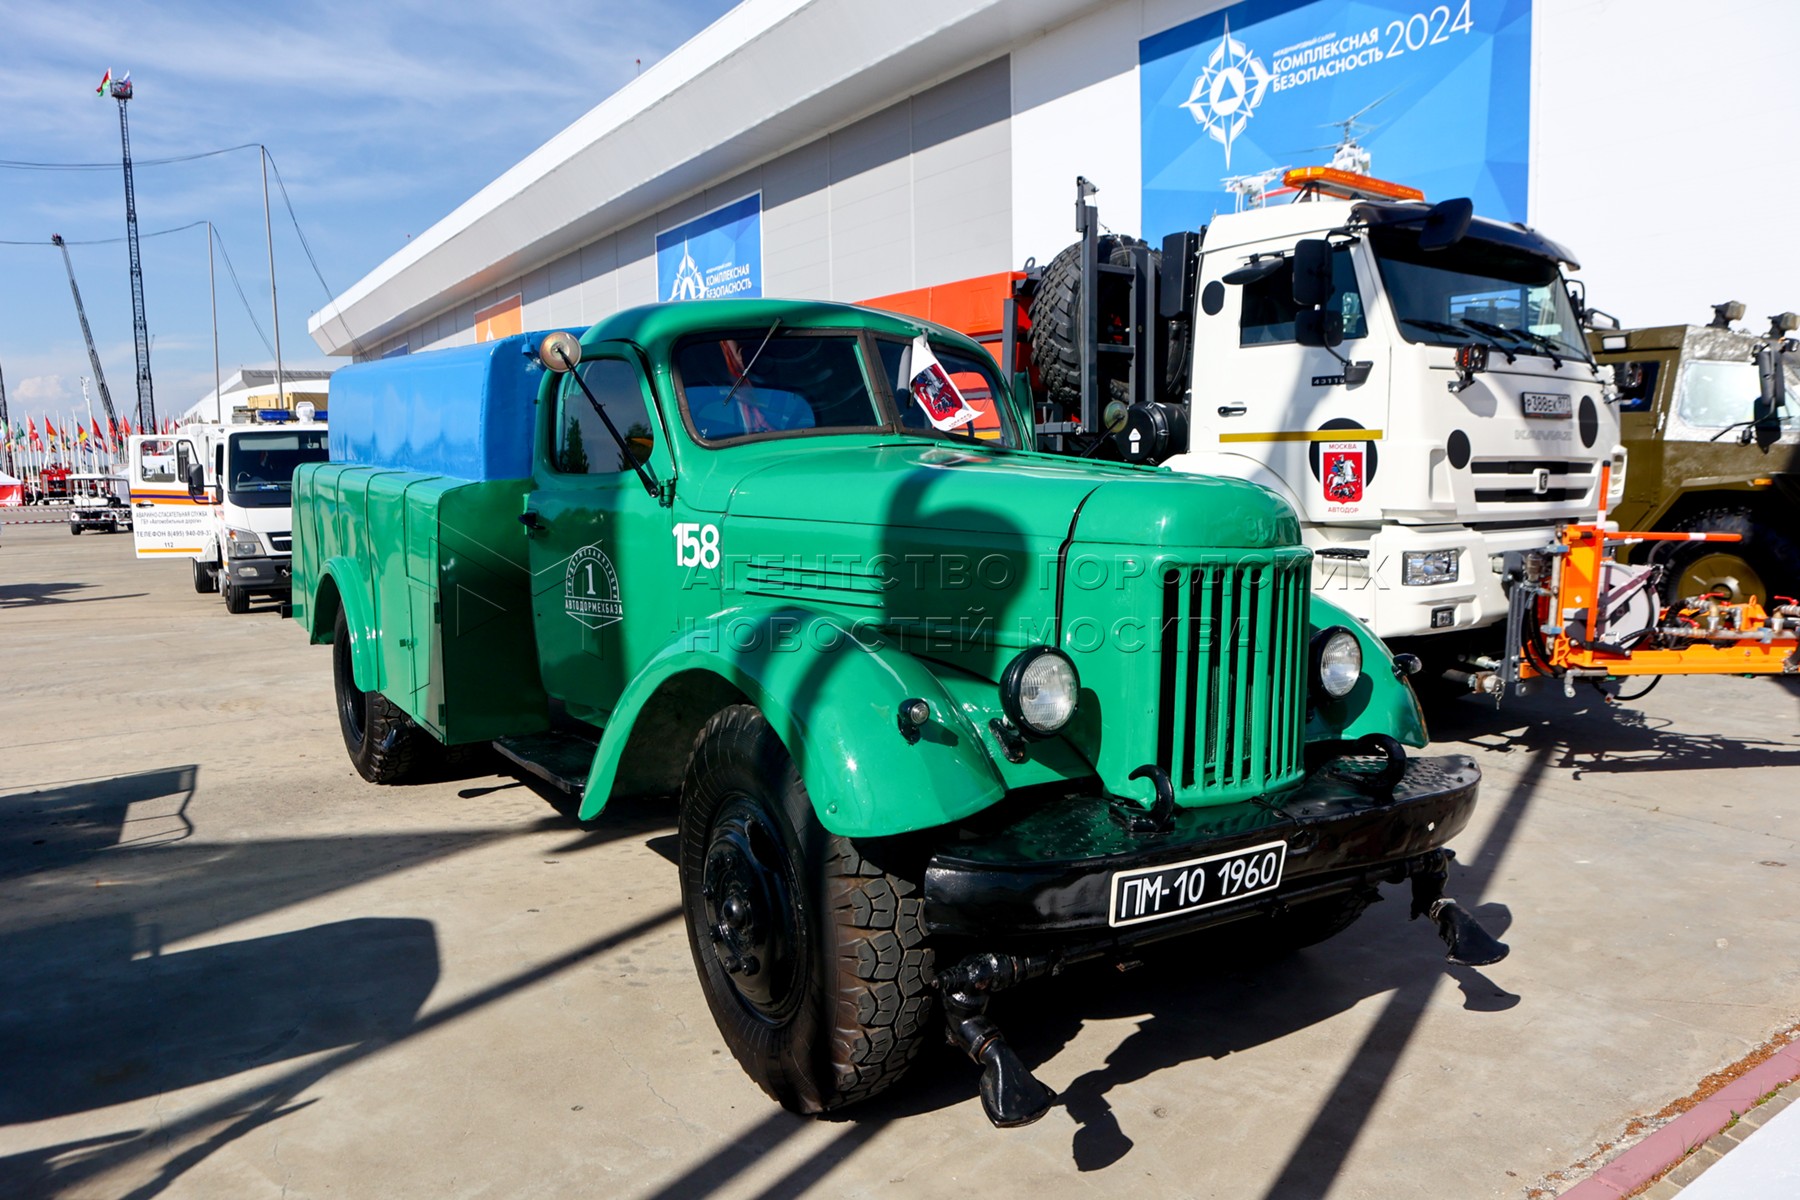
(1055, 334)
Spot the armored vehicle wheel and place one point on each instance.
(204, 580)
(384, 743)
(811, 955)
(1762, 563)
(237, 600)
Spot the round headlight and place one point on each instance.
(1038, 690)
(1336, 662)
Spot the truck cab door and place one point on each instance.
(604, 580)
(1259, 395)
(166, 519)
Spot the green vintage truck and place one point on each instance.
(939, 713)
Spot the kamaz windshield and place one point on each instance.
(259, 469)
(1477, 291)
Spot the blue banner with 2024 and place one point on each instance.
(719, 254)
(1437, 96)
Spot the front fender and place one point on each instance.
(346, 579)
(1381, 702)
(834, 702)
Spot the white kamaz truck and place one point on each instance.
(1412, 378)
(220, 496)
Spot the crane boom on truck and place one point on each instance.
(1412, 379)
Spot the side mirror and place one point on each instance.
(1447, 223)
(1773, 378)
(1766, 425)
(1312, 272)
(1319, 327)
(196, 481)
(559, 352)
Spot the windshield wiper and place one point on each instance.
(1435, 326)
(751, 365)
(1550, 346)
(1460, 331)
(1520, 335)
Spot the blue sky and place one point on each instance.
(381, 116)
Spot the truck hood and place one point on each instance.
(917, 485)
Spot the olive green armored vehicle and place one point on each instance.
(1710, 418)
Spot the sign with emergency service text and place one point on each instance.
(1434, 96)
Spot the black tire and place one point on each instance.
(74, 529)
(1763, 562)
(237, 600)
(384, 743)
(205, 581)
(833, 988)
(1315, 921)
(1056, 327)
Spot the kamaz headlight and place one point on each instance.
(1336, 662)
(1418, 567)
(244, 543)
(1038, 691)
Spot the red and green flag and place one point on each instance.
(104, 81)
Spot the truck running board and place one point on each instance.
(559, 759)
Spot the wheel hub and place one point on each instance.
(750, 916)
(1721, 572)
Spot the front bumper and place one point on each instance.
(1045, 874)
(1372, 590)
(258, 574)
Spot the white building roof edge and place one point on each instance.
(766, 77)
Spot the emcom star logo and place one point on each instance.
(1228, 91)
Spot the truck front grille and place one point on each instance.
(1564, 480)
(1232, 701)
(282, 541)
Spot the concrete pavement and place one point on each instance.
(237, 970)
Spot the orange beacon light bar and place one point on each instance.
(1348, 185)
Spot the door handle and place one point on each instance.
(531, 521)
(1232, 410)
(145, 504)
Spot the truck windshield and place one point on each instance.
(1478, 291)
(260, 469)
(1713, 395)
(790, 383)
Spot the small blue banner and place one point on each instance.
(713, 256)
(1434, 96)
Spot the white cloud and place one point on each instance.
(45, 393)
